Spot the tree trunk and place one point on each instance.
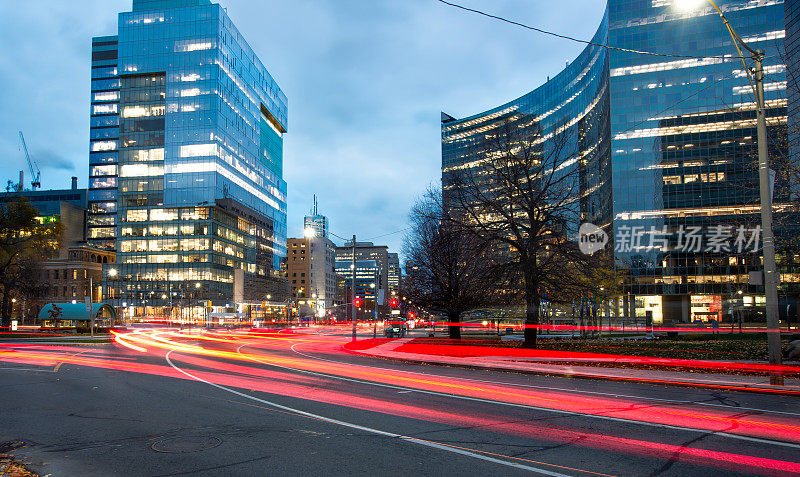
(454, 327)
(5, 310)
(531, 315)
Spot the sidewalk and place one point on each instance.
(545, 366)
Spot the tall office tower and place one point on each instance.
(367, 251)
(316, 224)
(310, 270)
(201, 200)
(103, 143)
(791, 10)
(667, 126)
(684, 148)
(394, 274)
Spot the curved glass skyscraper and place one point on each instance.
(575, 104)
(671, 152)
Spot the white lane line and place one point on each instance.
(3, 368)
(369, 429)
(550, 388)
(535, 408)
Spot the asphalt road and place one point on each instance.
(236, 404)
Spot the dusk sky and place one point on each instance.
(366, 81)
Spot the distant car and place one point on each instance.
(394, 331)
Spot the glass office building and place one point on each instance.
(682, 136)
(684, 153)
(792, 16)
(103, 143)
(200, 195)
(573, 104)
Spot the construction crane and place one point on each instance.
(34, 168)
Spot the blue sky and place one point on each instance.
(366, 80)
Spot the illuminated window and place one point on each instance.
(104, 108)
(184, 46)
(104, 146)
(672, 180)
(140, 111)
(199, 150)
(137, 216)
(140, 170)
(101, 232)
(190, 77)
(163, 215)
(190, 92)
(106, 96)
(143, 155)
(102, 171)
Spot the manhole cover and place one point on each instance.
(185, 445)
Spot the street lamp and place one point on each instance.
(770, 269)
(112, 272)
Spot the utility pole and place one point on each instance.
(770, 269)
(765, 192)
(353, 293)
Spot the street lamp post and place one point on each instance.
(770, 268)
(353, 293)
(374, 311)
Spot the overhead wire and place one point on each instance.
(571, 38)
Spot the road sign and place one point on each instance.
(14, 325)
(395, 312)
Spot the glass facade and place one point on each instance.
(684, 150)
(792, 17)
(316, 224)
(674, 149)
(574, 103)
(199, 140)
(103, 143)
(368, 276)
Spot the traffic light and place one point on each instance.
(358, 302)
(411, 315)
(394, 302)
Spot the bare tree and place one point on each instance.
(453, 270)
(522, 196)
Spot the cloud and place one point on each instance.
(49, 159)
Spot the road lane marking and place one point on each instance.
(372, 430)
(4, 368)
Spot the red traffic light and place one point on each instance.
(411, 315)
(358, 302)
(394, 302)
